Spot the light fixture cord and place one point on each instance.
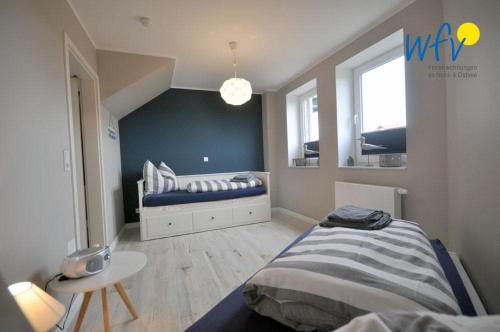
(234, 63)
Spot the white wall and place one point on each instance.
(269, 144)
(36, 204)
(473, 113)
(311, 191)
(112, 166)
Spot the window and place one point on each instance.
(371, 106)
(382, 99)
(309, 117)
(302, 121)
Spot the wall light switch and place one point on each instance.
(66, 161)
(205, 159)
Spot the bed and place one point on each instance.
(232, 313)
(181, 212)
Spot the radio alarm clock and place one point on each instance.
(86, 262)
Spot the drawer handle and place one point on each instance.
(170, 224)
(212, 218)
(249, 212)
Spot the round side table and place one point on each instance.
(123, 265)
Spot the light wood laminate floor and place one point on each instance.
(187, 275)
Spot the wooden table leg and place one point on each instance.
(105, 312)
(126, 300)
(83, 310)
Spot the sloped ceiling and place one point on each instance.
(278, 39)
(118, 69)
(127, 81)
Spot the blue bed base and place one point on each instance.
(233, 315)
(185, 197)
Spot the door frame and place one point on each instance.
(96, 207)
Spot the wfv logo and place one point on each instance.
(467, 34)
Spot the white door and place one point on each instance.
(79, 162)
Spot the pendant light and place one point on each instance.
(235, 91)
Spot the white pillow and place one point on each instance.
(169, 174)
(156, 183)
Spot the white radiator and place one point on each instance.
(383, 198)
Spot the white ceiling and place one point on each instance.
(278, 39)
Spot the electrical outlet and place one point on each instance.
(71, 246)
(137, 210)
(205, 159)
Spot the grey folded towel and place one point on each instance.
(357, 217)
(243, 178)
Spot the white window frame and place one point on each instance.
(358, 94)
(309, 94)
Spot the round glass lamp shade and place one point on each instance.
(236, 91)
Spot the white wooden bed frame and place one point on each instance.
(171, 220)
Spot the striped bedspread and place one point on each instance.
(218, 185)
(336, 274)
(421, 321)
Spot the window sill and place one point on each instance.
(400, 168)
(311, 166)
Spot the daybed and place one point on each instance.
(181, 212)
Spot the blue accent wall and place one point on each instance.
(180, 127)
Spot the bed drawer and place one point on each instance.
(173, 224)
(211, 219)
(250, 213)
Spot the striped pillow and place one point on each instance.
(155, 182)
(167, 173)
(221, 185)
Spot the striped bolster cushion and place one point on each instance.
(155, 182)
(219, 185)
(336, 274)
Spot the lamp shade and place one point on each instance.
(40, 309)
(236, 91)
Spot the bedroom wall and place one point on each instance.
(473, 158)
(180, 127)
(269, 144)
(36, 205)
(311, 191)
(112, 167)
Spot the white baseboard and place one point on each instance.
(295, 215)
(113, 244)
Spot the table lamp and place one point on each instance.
(40, 309)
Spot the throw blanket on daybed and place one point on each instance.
(218, 185)
(335, 274)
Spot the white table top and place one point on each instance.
(123, 265)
